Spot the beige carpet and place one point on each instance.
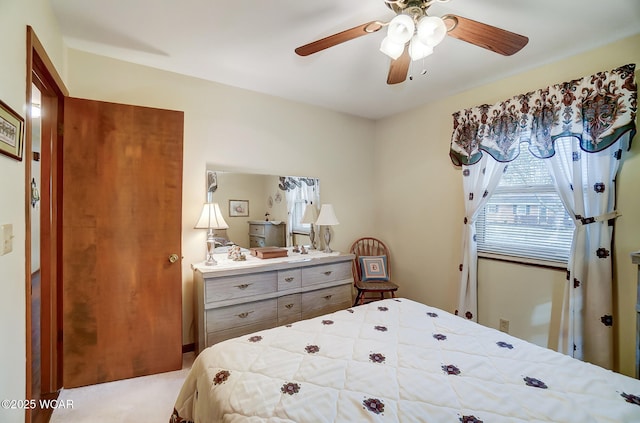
(147, 399)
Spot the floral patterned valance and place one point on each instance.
(288, 183)
(597, 110)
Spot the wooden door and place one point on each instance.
(122, 195)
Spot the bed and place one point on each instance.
(397, 360)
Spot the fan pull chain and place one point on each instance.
(422, 72)
(424, 68)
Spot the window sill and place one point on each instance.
(557, 265)
(296, 232)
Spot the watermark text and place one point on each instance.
(32, 404)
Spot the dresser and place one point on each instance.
(264, 233)
(635, 259)
(236, 298)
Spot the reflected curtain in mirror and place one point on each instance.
(300, 192)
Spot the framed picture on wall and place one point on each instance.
(238, 208)
(11, 132)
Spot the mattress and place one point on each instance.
(397, 360)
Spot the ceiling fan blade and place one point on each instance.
(399, 68)
(486, 36)
(340, 37)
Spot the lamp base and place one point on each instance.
(327, 240)
(211, 245)
(312, 238)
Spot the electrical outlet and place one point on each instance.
(504, 325)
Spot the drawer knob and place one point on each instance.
(245, 314)
(328, 297)
(289, 306)
(328, 272)
(243, 286)
(289, 279)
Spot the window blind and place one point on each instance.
(525, 217)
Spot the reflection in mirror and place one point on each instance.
(263, 210)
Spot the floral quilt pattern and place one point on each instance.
(397, 360)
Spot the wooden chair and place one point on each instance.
(369, 248)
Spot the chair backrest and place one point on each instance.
(368, 246)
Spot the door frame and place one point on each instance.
(41, 72)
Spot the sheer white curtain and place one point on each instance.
(586, 184)
(479, 182)
(290, 196)
(298, 189)
(311, 193)
(580, 128)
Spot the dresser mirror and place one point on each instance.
(248, 200)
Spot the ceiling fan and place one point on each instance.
(412, 35)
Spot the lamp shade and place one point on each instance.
(391, 49)
(401, 29)
(431, 30)
(211, 217)
(327, 216)
(310, 214)
(418, 50)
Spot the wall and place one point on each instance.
(15, 15)
(422, 219)
(245, 132)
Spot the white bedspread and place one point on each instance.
(397, 361)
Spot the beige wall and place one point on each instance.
(422, 214)
(243, 131)
(15, 15)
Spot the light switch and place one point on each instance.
(6, 239)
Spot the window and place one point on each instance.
(298, 212)
(525, 217)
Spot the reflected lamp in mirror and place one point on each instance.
(310, 216)
(211, 218)
(327, 218)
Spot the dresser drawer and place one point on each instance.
(326, 273)
(256, 241)
(223, 335)
(229, 287)
(327, 300)
(241, 315)
(289, 279)
(289, 307)
(256, 230)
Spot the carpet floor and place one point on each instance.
(147, 399)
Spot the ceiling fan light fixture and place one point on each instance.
(431, 30)
(418, 50)
(391, 49)
(401, 29)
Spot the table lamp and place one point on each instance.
(211, 218)
(310, 216)
(327, 218)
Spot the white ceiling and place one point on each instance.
(250, 44)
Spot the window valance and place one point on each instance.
(596, 110)
(288, 183)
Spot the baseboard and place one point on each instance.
(188, 348)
